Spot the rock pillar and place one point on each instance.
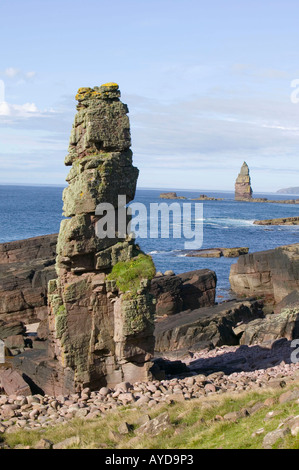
(100, 310)
(243, 190)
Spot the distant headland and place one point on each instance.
(289, 190)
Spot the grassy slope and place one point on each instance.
(193, 426)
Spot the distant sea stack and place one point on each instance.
(243, 190)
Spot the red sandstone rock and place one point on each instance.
(26, 266)
(191, 290)
(272, 274)
(13, 383)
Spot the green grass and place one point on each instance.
(195, 425)
(128, 274)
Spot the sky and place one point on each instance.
(208, 85)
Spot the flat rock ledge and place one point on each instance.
(281, 221)
(218, 252)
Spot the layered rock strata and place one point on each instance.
(30, 264)
(191, 290)
(205, 327)
(100, 310)
(272, 274)
(26, 266)
(243, 190)
(266, 331)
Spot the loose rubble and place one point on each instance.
(37, 411)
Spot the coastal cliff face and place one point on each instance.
(100, 318)
(26, 266)
(273, 273)
(243, 190)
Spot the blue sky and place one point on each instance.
(208, 85)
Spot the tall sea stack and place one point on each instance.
(243, 190)
(100, 310)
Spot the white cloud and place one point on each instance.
(11, 72)
(17, 110)
(30, 74)
(210, 135)
(15, 73)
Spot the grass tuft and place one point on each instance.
(129, 274)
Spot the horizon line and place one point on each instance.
(60, 185)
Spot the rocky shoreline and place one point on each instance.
(254, 370)
(112, 332)
(280, 221)
(232, 252)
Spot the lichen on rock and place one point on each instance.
(100, 310)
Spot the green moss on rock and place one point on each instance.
(129, 274)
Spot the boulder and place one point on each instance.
(167, 292)
(289, 301)
(13, 383)
(190, 290)
(198, 288)
(155, 426)
(265, 331)
(11, 328)
(272, 274)
(273, 436)
(15, 342)
(204, 327)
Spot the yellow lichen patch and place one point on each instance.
(96, 93)
(111, 84)
(84, 90)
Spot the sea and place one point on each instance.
(29, 211)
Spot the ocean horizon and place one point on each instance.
(30, 211)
